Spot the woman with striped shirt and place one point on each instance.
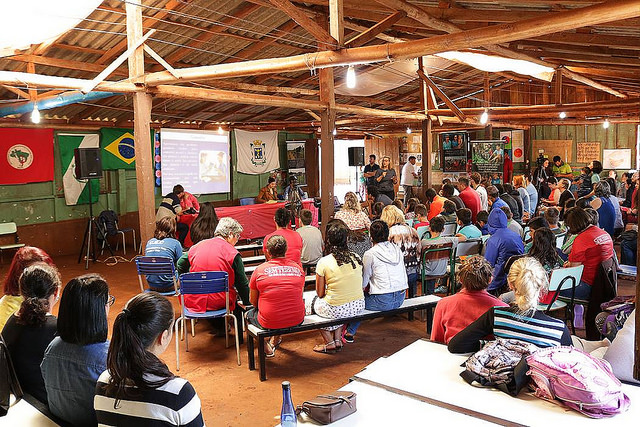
(527, 278)
(137, 389)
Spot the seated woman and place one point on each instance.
(383, 273)
(268, 193)
(591, 246)
(29, 331)
(202, 228)
(456, 312)
(163, 244)
(352, 213)
(78, 355)
(11, 300)
(275, 291)
(602, 204)
(137, 388)
(522, 321)
(219, 254)
(338, 286)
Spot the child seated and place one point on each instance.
(421, 216)
(584, 180)
(482, 222)
(437, 267)
(456, 312)
(552, 215)
(467, 229)
(449, 211)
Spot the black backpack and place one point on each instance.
(108, 221)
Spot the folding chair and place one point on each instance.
(469, 247)
(205, 282)
(561, 279)
(560, 239)
(436, 252)
(423, 230)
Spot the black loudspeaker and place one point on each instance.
(88, 163)
(356, 156)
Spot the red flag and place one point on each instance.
(26, 155)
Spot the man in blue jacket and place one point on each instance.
(495, 202)
(502, 244)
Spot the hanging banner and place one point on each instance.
(26, 155)
(454, 151)
(76, 192)
(488, 157)
(517, 144)
(118, 148)
(257, 151)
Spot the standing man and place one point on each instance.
(370, 171)
(561, 169)
(409, 173)
(482, 192)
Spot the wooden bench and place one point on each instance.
(8, 229)
(253, 259)
(313, 322)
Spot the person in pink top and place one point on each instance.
(282, 219)
(470, 197)
(456, 312)
(188, 201)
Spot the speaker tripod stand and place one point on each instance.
(89, 240)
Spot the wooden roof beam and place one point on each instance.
(440, 94)
(300, 17)
(371, 33)
(420, 15)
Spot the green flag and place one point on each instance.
(118, 148)
(76, 192)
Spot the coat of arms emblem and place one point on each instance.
(258, 153)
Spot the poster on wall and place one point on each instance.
(506, 137)
(517, 146)
(487, 157)
(295, 155)
(454, 151)
(587, 151)
(616, 159)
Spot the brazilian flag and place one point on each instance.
(118, 148)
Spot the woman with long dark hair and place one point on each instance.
(205, 224)
(544, 249)
(78, 355)
(11, 300)
(137, 388)
(338, 285)
(29, 331)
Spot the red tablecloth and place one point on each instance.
(256, 220)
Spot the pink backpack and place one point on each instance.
(578, 380)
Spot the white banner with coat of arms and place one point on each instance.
(257, 151)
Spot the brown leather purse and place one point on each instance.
(328, 408)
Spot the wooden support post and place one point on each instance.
(427, 144)
(142, 118)
(336, 21)
(558, 87)
(328, 117)
(486, 95)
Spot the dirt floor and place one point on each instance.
(233, 395)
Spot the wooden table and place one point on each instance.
(428, 372)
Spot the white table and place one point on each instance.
(24, 414)
(425, 369)
(379, 407)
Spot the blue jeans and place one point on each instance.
(583, 291)
(412, 281)
(628, 251)
(379, 302)
(430, 286)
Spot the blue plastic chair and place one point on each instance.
(200, 283)
(422, 231)
(157, 265)
(245, 201)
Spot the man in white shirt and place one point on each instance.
(409, 173)
(482, 192)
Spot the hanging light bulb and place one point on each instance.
(35, 115)
(484, 118)
(335, 131)
(351, 77)
(408, 129)
(606, 124)
(563, 115)
(220, 130)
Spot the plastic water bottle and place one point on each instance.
(288, 416)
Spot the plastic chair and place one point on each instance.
(560, 239)
(422, 231)
(450, 229)
(159, 266)
(561, 279)
(437, 252)
(118, 231)
(469, 247)
(205, 282)
(247, 201)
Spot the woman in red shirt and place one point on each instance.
(591, 246)
(276, 292)
(456, 312)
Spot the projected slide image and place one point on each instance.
(213, 166)
(198, 160)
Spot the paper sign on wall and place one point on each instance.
(616, 159)
(587, 151)
(517, 143)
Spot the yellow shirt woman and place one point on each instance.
(9, 304)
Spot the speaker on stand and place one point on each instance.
(88, 166)
(356, 158)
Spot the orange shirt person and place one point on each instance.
(435, 203)
(268, 192)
